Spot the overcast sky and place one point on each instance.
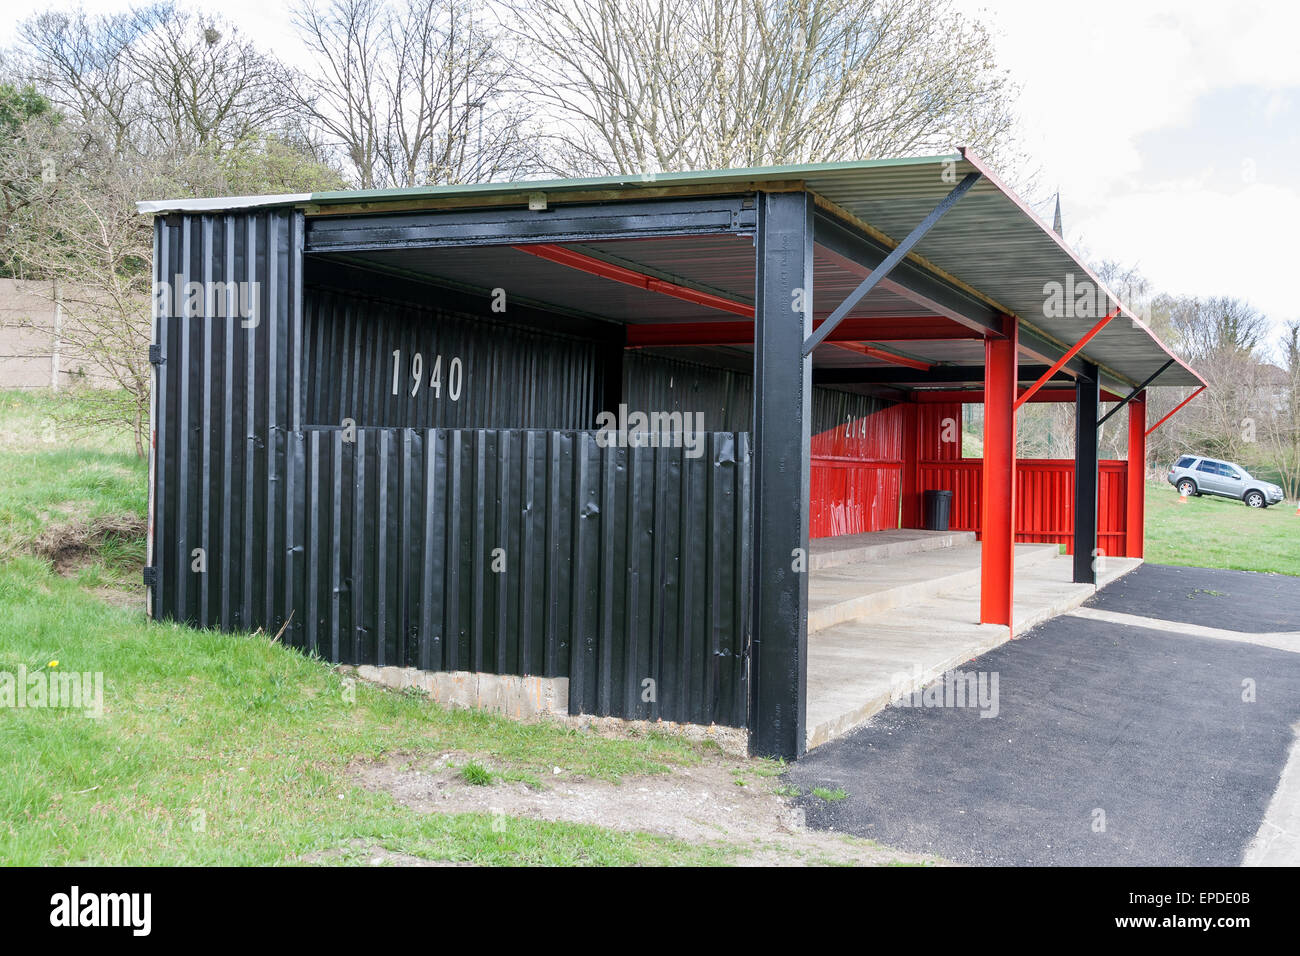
(1172, 130)
(1170, 127)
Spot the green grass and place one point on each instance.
(831, 796)
(254, 740)
(1220, 533)
(54, 473)
(229, 748)
(477, 774)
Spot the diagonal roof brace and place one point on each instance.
(1135, 393)
(1176, 410)
(1071, 353)
(894, 258)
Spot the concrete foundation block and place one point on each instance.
(508, 694)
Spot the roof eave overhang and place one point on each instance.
(1038, 341)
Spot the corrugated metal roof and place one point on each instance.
(989, 242)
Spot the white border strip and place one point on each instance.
(220, 203)
(1278, 640)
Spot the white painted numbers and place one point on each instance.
(455, 376)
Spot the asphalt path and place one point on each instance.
(1112, 745)
(1233, 600)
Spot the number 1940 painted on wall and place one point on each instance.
(434, 384)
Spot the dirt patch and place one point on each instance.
(730, 740)
(130, 599)
(72, 545)
(721, 800)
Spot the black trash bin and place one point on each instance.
(938, 504)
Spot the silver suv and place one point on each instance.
(1193, 475)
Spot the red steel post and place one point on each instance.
(997, 509)
(909, 492)
(1135, 486)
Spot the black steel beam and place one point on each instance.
(508, 226)
(1087, 398)
(896, 256)
(331, 273)
(939, 375)
(908, 279)
(778, 656)
(1135, 393)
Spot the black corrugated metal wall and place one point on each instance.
(228, 421)
(726, 396)
(472, 371)
(516, 551)
(622, 565)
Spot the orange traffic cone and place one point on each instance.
(1182, 500)
(1297, 509)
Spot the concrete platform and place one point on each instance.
(855, 591)
(917, 618)
(845, 549)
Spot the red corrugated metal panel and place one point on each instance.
(937, 423)
(1044, 499)
(851, 497)
(856, 474)
(1112, 508)
(876, 437)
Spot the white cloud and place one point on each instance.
(1099, 79)
(1205, 242)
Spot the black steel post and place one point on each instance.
(778, 665)
(1087, 398)
(611, 371)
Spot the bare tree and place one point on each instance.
(412, 92)
(30, 133)
(206, 84)
(1279, 416)
(89, 239)
(1224, 339)
(153, 103)
(77, 61)
(157, 74)
(650, 85)
(1206, 329)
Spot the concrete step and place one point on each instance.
(856, 591)
(847, 549)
